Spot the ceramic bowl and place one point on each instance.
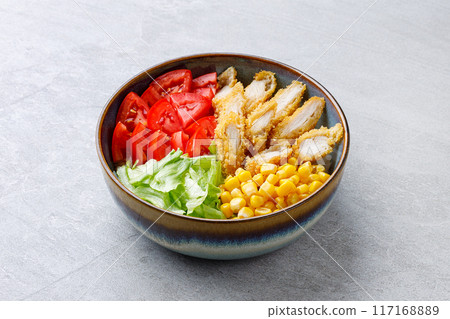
(223, 239)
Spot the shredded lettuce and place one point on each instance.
(178, 183)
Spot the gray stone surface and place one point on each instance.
(62, 237)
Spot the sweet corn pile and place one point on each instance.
(272, 188)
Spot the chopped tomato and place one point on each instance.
(190, 106)
(205, 92)
(163, 116)
(179, 140)
(199, 143)
(177, 81)
(119, 142)
(206, 81)
(158, 146)
(138, 144)
(132, 111)
(207, 122)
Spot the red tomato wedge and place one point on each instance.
(190, 107)
(158, 146)
(132, 111)
(163, 116)
(179, 140)
(119, 142)
(207, 122)
(138, 144)
(199, 143)
(206, 81)
(205, 92)
(177, 81)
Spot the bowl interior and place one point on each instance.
(246, 67)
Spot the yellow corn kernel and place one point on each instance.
(303, 189)
(314, 177)
(292, 198)
(245, 212)
(262, 211)
(225, 197)
(244, 176)
(238, 171)
(303, 196)
(281, 202)
(267, 189)
(292, 161)
(323, 176)
(285, 188)
(256, 201)
(320, 168)
(249, 188)
(237, 203)
(295, 179)
(228, 178)
(290, 169)
(232, 183)
(286, 171)
(235, 193)
(226, 210)
(272, 179)
(304, 171)
(268, 168)
(314, 186)
(258, 179)
(269, 204)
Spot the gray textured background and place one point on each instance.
(61, 233)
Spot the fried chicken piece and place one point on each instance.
(259, 90)
(230, 142)
(276, 154)
(288, 100)
(233, 102)
(261, 121)
(302, 120)
(226, 81)
(227, 77)
(317, 143)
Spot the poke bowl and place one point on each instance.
(233, 237)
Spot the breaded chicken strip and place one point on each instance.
(230, 142)
(226, 81)
(276, 154)
(259, 90)
(318, 143)
(288, 100)
(302, 120)
(227, 77)
(233, 102)
(261, 121)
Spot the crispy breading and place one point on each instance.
(230, 141)
(259, 90)
(227, 77)
(302, 120)
(276, 154)
(259, 123)
(317, 143)
(234, 101)
(287, 100)
(226, 81)
(264, 117)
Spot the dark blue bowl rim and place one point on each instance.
(320, 87)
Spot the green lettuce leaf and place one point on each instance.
(178, 183)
